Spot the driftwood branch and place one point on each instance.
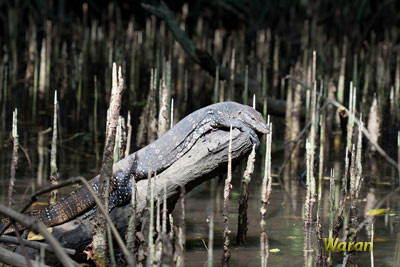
(14, 259)
(39, 227)
(208, 157)
(32, 244)
(106, 173)
(206, 61)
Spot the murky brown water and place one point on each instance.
(285, 224)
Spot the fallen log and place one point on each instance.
(207, 158)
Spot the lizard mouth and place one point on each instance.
(261, 127)
(264, 129)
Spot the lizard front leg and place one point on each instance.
(224, 122)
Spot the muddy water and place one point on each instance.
(285, 223)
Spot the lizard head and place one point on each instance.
(253, 119)
(245, 115)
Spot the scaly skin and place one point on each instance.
(156, 157)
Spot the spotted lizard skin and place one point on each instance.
(156, 157)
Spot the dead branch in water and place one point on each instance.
(14, 161)
(39, 227)
(14, 259)
(226, 255)
(32, 244)
(106, 172)
(208, 157)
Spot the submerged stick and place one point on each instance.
(14, 259)
(359, 177)
(54, 176)
(23, 248)
(210, 240)
(321, 164)
(227, 189)
(332, 208)
(14, 160)
(308, 202)
(99, 237)
(182, 229)
(372, 240)
(39, 227)
(244, 197)
(150, 206)
(265, 195)
(313, 134)
(33, 244)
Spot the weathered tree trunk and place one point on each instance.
(208, 157)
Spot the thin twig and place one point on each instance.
(226, 255)
(114, 230)
(39, 227)
(286, 160)
(33, 244)
(106, 173)
(23, 248)
(14, 161)
(15, 259)
(26, 155)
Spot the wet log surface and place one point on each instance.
(207, 158)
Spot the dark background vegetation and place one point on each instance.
(355, 19)
(363, 23)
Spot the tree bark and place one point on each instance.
(207, 158)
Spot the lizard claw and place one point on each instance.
(254, 138)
